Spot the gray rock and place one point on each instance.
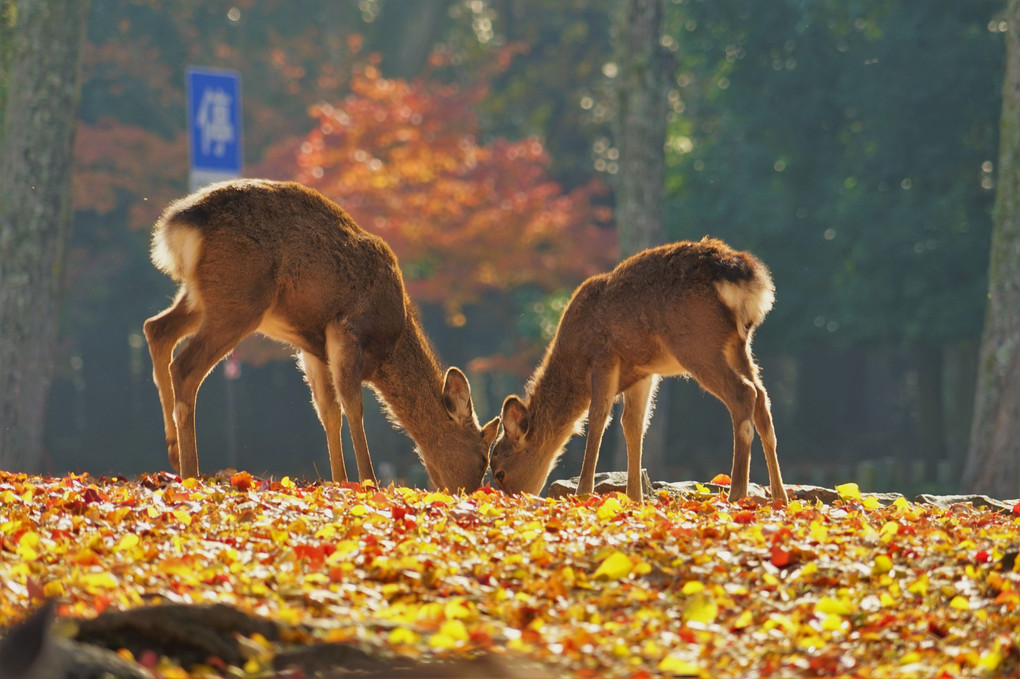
(605, 482)
(981, 501)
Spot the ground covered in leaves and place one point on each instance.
(596, 586)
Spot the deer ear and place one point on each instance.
(516, 419)
(457, 395)
(489, 431)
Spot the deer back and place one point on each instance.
(666, 307)
(281, 249)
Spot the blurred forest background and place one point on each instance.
(851, 145)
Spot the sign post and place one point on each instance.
(214, 126)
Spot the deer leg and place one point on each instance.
(636, 413)
(603, 391)
(215, 338)
(327, 406)
(738, 394)
(741, 361)
(162, 333)
(346, 364)
(767, 432)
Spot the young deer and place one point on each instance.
(280, 259)
(686, 309)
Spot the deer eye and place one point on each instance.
(500, 476)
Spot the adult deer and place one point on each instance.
(686, 309)
(280, 259)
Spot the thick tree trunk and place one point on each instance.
(642, 85)
(639, 131)
(36, 141)
(993, 461)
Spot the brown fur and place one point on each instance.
(280, 259)
(687, 309)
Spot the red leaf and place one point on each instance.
(744, 516)
(780, 557)
(242, 481)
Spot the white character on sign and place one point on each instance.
(214, 122)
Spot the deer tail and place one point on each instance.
(750, 299)
(175, 247)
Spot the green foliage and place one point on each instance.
(851, 145)
(8, 21)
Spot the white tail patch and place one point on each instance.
(175, 250)
(750, 301)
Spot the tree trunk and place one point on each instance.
(993, 461)
(639, 130)
(36, 141)
(642, 85)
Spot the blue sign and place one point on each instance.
(214, 125)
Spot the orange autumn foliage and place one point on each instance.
(466, 216)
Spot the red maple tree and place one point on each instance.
(466, 216)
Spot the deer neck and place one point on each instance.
(410, 383)
(557, 398)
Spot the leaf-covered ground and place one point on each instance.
(587, 587)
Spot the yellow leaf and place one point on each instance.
(129, 541)
(794, 506)
(326, 532)
(819, 532)
(433, 497)
(93, 582)
(832, 623)
(871, 503)
(287, 483)
(450, 635)
(609, 509)
(991, 660)
(456, 610)
(182, 515)
(919, 587)
(832, 606)
(911, 657)
(650, 649)
(27, 553)
(883, 564)
(615, 566)
(744, 620)
(402, 636)
(961, 603)
(678, 667)
(702, 608)
(692, 587)
(849, 491)
(889, 531)
(191, 483)
(901, 503)
(53, 588)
